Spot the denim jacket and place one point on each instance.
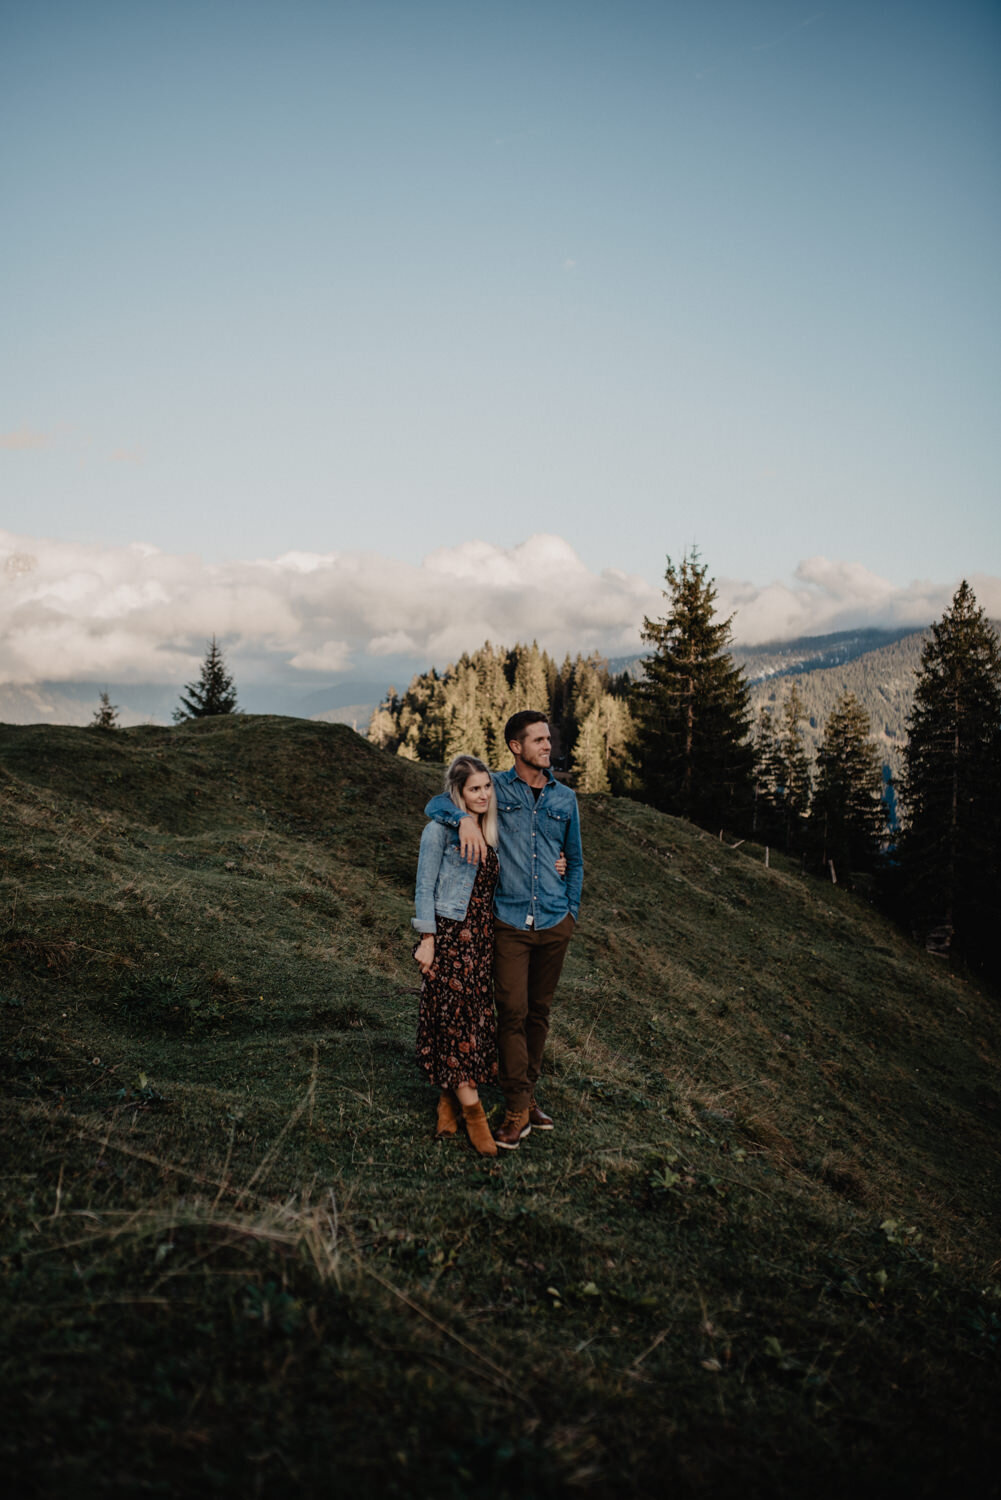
(444, 880)
(532, 834)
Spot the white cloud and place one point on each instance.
(827, 595)
(332, 656)
(134, 614)
(397, 644)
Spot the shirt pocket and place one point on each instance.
(556, 824)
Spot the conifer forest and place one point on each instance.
(918, 832)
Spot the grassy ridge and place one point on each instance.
(760, 1247)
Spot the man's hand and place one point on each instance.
(561, 866)
(472, 844)
(424, 952)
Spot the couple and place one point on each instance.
(498, 889)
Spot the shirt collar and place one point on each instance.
(512, 775)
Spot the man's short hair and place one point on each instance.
(516, 725)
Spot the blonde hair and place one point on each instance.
(459, 770)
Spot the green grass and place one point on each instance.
(758, 1254)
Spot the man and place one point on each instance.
(535, 909)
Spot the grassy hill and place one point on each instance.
(758, 1253)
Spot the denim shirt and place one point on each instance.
(444, 879)
(532, 834)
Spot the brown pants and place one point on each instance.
(527, 968)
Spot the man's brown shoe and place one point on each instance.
(538, 1119)
(513, 1130)
(448, 1120)
(478, 1130)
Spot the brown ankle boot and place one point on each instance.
(513, 1130)
(478, 1130)
(448, 1120)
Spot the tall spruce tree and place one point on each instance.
(952, 783)
(601, 760)
(213, 693)
(587, 682)
(782, 793)
(691, 708)
(847, 819)
(527, 670)
(765, 819)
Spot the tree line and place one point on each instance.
(465, 707)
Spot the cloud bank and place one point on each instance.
(70, 612)
(826, 596)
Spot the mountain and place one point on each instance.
(814, 653)
(757, 1255)
(804, 654)
(878, 666)
(882, 679)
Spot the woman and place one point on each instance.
(456, 1029)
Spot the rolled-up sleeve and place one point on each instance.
(433, 841)
(444, 811)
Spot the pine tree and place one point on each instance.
(213, 693)
(783, 786)
(527, 675)
(847, 819)
(766, 822)
(590, 755)
(952, 782)
(464, 729)
(105, 715)
(691, 708)
(382, 727)
(601, 756)
(494, 696)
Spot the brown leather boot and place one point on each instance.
(514, 1128)
(478, 1130)
(448, 1120)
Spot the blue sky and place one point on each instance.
(384, 279)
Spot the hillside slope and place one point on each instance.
(759, 1249)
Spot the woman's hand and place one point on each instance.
(424, 952)
(561, 866)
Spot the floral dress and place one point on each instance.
(456, 1027)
